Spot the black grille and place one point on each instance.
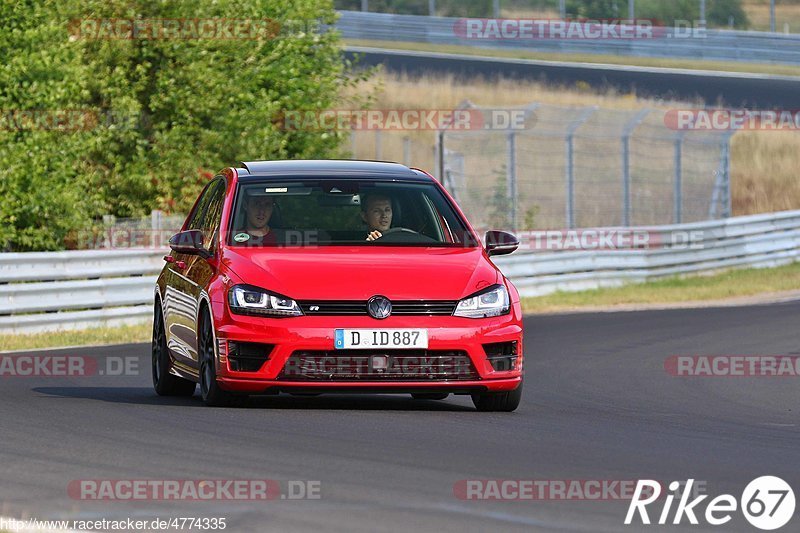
(247, 356)
(502, 355)
(386, 365)
(359, 307)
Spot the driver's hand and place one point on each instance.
(374, 235)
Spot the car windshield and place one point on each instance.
(345, 212)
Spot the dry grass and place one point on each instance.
(765, 169)
(765, 165)
(786, 12)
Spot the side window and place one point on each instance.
(213, 215)
(196, 220)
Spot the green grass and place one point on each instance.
(730, 284)
(94, 336)
(756, 68)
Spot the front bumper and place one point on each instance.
(289, 336)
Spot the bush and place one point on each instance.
(180, 108)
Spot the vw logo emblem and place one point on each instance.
(379, 307)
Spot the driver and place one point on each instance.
(376, 212)
(258, 213)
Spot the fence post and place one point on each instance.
(364, 5)
(155, 225)
(677, 194)
(626, 164)
(583, 117)
(440, 155)
(726, 183)
(432, 8)
(108, 231)
(496, 9)
(511, 177)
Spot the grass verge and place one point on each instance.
(88, 337)
(726, 285)
(696, 64)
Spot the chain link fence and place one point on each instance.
(571, 167)
(136, 232)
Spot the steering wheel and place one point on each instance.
(397, 230)
(404, 235)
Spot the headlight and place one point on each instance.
(489, 302)
(249, 300)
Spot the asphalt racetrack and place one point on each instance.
(738, 90)
(598, 405)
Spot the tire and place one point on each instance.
(210, 391)
(498, 401)
(429, 395)
(164, 383)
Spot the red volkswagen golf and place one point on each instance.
(309, 277)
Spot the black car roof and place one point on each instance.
(253, 170)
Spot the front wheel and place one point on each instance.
(212, 394)
(498, 401)
(165, 383)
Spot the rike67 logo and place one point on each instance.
(767, 503)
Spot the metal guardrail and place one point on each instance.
(714, 45)
(47, 291)
(75, 290)
(751, 241)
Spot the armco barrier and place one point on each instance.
(76, 290)
(47, 291)
(750, 241)
(713, 45)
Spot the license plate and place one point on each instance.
(364, 339)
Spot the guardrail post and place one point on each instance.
(511, 177)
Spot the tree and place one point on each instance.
(171, 111)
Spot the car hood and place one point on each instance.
(358, 273)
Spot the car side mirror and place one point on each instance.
(500, 242)
(189, 242)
